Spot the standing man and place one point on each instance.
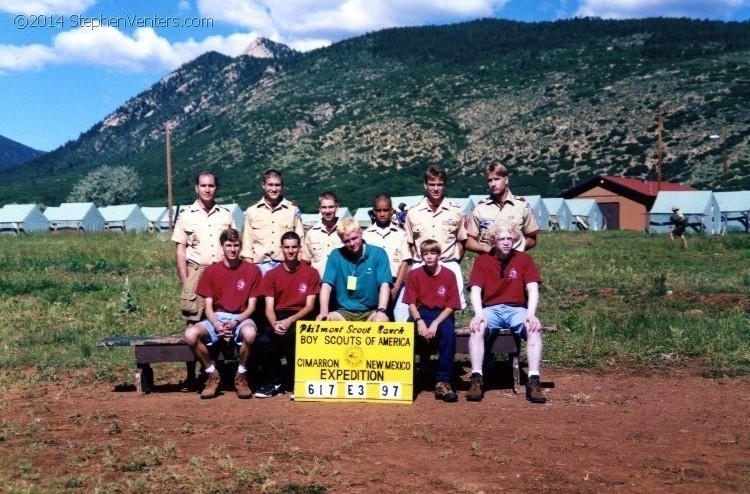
(680, 224)
(266, 221)
(230, 288)
(196, 234)
(290, 290)
(322, 238)
(386, 234)
(360, 277)
(438, 219)
(501, 204)
(505, 294)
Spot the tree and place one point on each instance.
(107, 185)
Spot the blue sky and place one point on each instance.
(67, 64)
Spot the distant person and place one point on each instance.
(290, 290)
(401, 214)
(230, 288)
(501, 204)
(505, 294)
(322, 238)
(386, 234)
(436, 218)
(432, 295)
(196, 233)
(359, 276)
(266, 221)
(680, 224)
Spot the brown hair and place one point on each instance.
(435, 172)
(496, 167)
(230, 235)
(430, 246)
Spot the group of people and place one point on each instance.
(337, 271)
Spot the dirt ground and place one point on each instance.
(650, 431)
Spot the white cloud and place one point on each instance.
(184, 5)
(629, 9)
(29, 57)
(109, 48)
(42, 7)
(323, 21)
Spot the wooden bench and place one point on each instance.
(154, 349)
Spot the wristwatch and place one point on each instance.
(381, 310)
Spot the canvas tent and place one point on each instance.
(157, 217)
(22, 218)
(541, 215)
(559, 213)
(362, 217)
(308, 220)
(124, 218)
(585, 214)
(79, 216)
(700, 208)
(238, 215)
(735, 210)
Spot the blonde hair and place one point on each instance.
(503, 226)
(347, 225)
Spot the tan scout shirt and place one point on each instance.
(261, 239)
(318, 245)
(200, 232)
(514, 208)
(393, 240)
(446, 225)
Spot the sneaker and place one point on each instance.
(475, 392)
(443, 391)
(212, 386)
(240, 384)
(534, 391)
(268, 390)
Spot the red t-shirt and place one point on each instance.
(290, 290)
(230, 288)
(434, 292)
(506, 287)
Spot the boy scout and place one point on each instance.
(322, 238)
(266, 221)
(500, 205)
(435, 218)
(386, 234)
(196, 234)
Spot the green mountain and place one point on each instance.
(13, 153)
(554, 101)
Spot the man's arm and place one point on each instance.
(403, 270)
(384, 294)
(476, 304)
(474, 245)
(182, 263)
(530, 241)
(432, 329)
(252, 302)
(281, 327)
(270, 312)
(325, 299)
(532, 322)
(247, 239)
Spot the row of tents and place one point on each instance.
(707, 212)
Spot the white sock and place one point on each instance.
(210, 368)
(474, 371)
(241, 369)
(533, 373)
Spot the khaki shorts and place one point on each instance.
(355, 315)
(192, 305)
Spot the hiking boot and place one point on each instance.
(212, 386)
(268, 390)
(443, 391)
(240, 384)
(534, 391)
(475, 393)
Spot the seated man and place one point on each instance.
(230, 288)
(359, 275)
(505, 294)
(432, 295)
(289, 289)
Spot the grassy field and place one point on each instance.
(616, 297)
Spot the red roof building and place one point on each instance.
(623, 201)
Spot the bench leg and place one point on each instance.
(513, 360)
(144, 378)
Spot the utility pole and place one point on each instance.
(658, 153)
(169, 180)
(724, 182)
